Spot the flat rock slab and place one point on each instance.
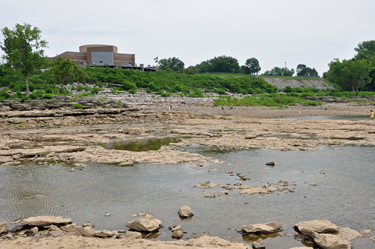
(3, 227)
(317, 226)
(269, 227)
(41, 221)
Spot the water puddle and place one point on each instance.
(144, 144)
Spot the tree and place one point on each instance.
(303, 71)
(365, 50)
(23, 50)
(67, 71)
(224, 64)
(173, 63)
(252, 66)
(277, 71)
(350, 74)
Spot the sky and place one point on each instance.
(276, 32)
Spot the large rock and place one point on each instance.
(41, 221)
(147, 224)
(317, 226)
(177, 232)
(330, 241)
(185, 212)
(269, 227)
(3, 227)
(259, 244)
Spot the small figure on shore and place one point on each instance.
(372, 115)
(170, 105)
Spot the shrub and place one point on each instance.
(133, 91)
(77, 106)
(95, 90)
(47, 96)
(166, 94)
(127, 85)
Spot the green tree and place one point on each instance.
(224, 64)
(252, 66)
(173, 63)
(23, 50)
(67, 71)
(277, 71)
(303, 71)
(365, 50)
(350, 74)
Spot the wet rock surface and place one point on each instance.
(185, 212)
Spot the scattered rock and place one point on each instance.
(207, 185)
(147, 224)
(88, 224)
(131, 235)
(41, 221)
(34, 230)
(272, 163)
(330, 241)
(177, 232)
(185, 212)
(269, 227)
(128, 163)
(108, 214)
(259, 244)
(3, 227)
(72, 170)
(104, 234)
(317, 226)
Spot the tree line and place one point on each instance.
(357, 73)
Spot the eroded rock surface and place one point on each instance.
(146, 224)
(46, 221)
(185, 212)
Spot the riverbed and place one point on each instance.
(333, 183)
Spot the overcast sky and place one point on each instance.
(273, 31)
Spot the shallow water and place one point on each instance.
(337, 117)
(344, 194)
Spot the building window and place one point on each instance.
(102, 58)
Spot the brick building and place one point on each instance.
(99, 55)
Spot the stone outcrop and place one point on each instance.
(4, 227)
(146, 224)
(131, 235)
(185, 212)
(40, 221)
(269, 227)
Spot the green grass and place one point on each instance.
(271, 100)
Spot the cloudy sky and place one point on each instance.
(273, 31)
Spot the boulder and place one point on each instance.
(178, 234)
(4, 227)
(272, 163)
(185, 212)
(330, 241)
(104, 234)
(34, 230)
(131, 235)
(147, 224)
(83, 232)
(207, 185)
(349, 234)
(259, 244)
(41, 221)
(317, 226)
(269, 227)
(88, 224)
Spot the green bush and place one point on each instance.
(48, 96)
(133, 91)
(166, 94)
(77, 106)
(36, 94)
(95, 90)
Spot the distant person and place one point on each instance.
(170, 105)
(372, 115)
